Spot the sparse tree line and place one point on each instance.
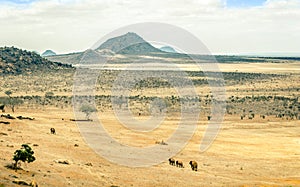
(278, 106)
(107, 77)
(247, 107)
(198, 79)
(237, 76)
(60, 81)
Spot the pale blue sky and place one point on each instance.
(17, 1)
(229, 3)
(244, 3)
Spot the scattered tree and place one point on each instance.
(49, 94)
(8, 93)
(12, 101)
(88, 110)
(25, 154)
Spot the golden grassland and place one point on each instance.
(248, 152)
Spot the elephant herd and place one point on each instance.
(172, 161)
(177, 163)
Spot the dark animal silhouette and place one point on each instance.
(179, 164)
(8, 116)
(2, 108)
(172, 161)
(22, 117)
(194, 165)
(52, 130)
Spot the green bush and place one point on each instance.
(25, 154)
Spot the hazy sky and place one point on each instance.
(225, 26)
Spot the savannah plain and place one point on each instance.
(258, 144)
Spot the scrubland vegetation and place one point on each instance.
(259, 135)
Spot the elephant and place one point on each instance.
(52, 130)
(194, 165)
(2, 108)
(179, 164)
(172, 161)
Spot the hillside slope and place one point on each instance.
(18, 61)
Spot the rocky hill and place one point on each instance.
(17, 61)
(129, 43)
(48, 53)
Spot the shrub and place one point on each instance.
(25, 154)
(88, 110)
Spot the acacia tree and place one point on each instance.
(8, 93)
(25, 154)
(48, 95)
(15, 102)
(12, 101)
(88, 110)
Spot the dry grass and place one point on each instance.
(257, 152)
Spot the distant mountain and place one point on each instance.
(48, 53)
(17, 61)
(168, 49)
(129, 43)
(124, 46)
